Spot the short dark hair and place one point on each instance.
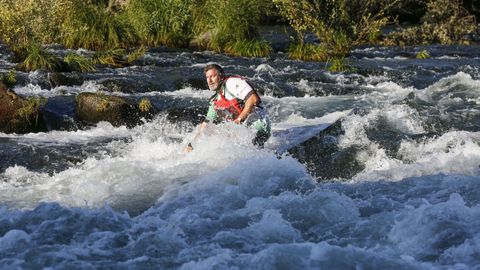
(218, 68)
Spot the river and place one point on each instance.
(394, 185)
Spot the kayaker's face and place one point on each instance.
(213, 79)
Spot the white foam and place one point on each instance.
(265, 68)
(13, 239)
(458, 83)
(102, 130)
(37, 90)
(421, 232)
(451, 153)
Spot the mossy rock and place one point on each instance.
(19, 115)
(94, 107)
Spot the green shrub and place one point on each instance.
(299, 15)
(103, 25)
(27, 20)
(79, 62)
(339, 24)
(85, 24)
(445, 22)
(227, 22)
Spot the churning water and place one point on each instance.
(395, 185)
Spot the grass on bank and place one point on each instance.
(224, 26)
(249, 48)
(338, 65)
(112, 57)
(161, 22)
(36, 57)
(308, 52)
(79, 62)
(95, 27)
(228, 25)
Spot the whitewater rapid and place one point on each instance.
(109, 197)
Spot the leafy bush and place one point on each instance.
(228, 22)
(445, 22)
(27, 20)
(136, 54)
(339, 25)
(338, 65)
(85, 24)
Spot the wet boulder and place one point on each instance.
(95, 107)
(197, 83)
(59, 113)
(324, 159)
(68, 79)
(125, 85)
(19, 115)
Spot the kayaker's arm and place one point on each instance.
(250, 103)
(189, 147)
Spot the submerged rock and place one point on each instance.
(93, 108)
(19, 115)
(324, 159)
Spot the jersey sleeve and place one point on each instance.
(237, 87)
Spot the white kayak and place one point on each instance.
(287, 135)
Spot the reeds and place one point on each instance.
(37, 57)
(249, 48)
(79, 62)
(161, 22)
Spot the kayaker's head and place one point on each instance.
(214, 74)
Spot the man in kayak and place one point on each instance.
(235, 100)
